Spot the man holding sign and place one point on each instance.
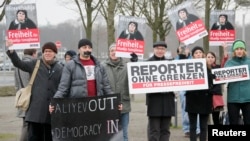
(238, 93)
(84, 77)
(160, 105)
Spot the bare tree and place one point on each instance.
(154, 11)
(211, 5)
(90, 8)
(108, 11)
(5, 2)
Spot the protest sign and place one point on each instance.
(22, 30)
(90, 118)
(230, 74)
(188, 26)
(162, 76)
(222, 27)
(131, 32)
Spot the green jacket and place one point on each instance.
(238, 92)
(118, 79)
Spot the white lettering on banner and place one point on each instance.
(219, 33)
(81, 107)
(20, 34)
(112, 126)
(187, 30)
(127, 43)
(80, 131)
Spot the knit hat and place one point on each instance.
(84, 42)
(113, 45)
(49, 45)
(238, 44)
(160, 43)
(71, 53)
(197, 48)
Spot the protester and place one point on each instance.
(160, 105)
(84, 76)
(21, 80)
(132, 32)
(185, 18)
(238, 98)
(69, 55)
(183, 52)
(116, 69)
(217, 88)
(199, 103)
(45, 85)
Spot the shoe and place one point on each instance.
(187, 134)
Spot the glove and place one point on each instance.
(134, 57)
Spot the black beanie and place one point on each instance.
(49, 45)
(197, 48)
(160, 43)
(84, 42)
(71, 53)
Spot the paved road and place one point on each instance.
(9, 123)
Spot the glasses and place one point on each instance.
(160, 48)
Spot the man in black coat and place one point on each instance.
(160, 105)
(44, 87)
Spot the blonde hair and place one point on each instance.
(244, 53)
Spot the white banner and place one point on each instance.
(231, 74)
(162, 76)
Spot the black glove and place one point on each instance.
(134, 57)
(182, 56)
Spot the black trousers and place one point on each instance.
(193, 125)
(234, 113)
(159, 128)
(39, 132)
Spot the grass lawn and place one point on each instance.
(7, 91)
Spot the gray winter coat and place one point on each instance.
(73, 83)
(118, 79)
(44, 87)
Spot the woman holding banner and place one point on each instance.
(238, 97)
(199, 103)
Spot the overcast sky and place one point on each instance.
(50, 11)
(54, 12)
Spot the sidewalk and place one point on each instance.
(10, 124)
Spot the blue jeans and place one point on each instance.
(125, 121)
(184, 114)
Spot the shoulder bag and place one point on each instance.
(23, 95)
